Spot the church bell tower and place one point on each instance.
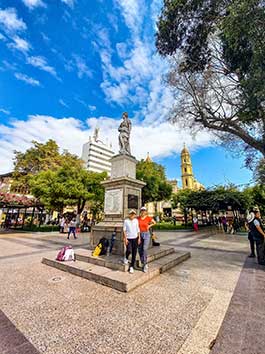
(186, 170)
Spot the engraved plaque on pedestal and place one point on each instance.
(133, 201)
(113, 201)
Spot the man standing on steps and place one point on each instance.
(258, 233)
(131, 236)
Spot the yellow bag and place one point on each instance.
(97, 250)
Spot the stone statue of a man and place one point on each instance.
(124, 137)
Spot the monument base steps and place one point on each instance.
(110, 271)
(115, 262)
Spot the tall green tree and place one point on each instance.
(40, 157)
(218, 199)
(256, 195)
(182, 200)
(157, 188)
(217, 48)
(68, 185)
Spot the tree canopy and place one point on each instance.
(256, 197)
(68, 185)
(218, 199)
(57, 179)
(40, 157)
(217, 50)
(157, 188)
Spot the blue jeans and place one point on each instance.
(143, 247)
(71, 230)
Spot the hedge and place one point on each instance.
(42, 228)
(170, 226)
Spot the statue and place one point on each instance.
(124, 137)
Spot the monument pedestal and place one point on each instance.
(122, 193)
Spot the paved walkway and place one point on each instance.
(180, 311)
(242, 331)
(12, 341)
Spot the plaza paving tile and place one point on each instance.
(242, 331)
(12, 341)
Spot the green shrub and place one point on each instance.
(42, 228)
(171, 226)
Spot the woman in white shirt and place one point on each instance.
(131, 236)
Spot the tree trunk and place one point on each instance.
(80, 205)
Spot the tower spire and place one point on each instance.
(148, 158)
(186, 169)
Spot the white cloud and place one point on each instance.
(85, 104)
(45, 37)
(61, 101)
(20, 44)
(10, 22)
(133, 12)
(29, 80)
(139, 80)
(11, 25)
(31, 4)
(5, 111)
(41, 63)
(92, 108)
(2, 37)
(70, 133)
(82, 68)
(69, 2)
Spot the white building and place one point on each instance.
(96, 154)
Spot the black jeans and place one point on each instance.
(260, 251)
(251, 243)
(131, 248)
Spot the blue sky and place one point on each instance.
(69, 66)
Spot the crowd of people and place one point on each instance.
(68, 224)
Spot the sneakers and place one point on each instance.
(131, 270)
(145, 268)
(125, 260)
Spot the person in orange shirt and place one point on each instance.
(145, 222)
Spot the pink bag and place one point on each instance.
(60, 255)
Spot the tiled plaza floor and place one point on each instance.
(180, 311)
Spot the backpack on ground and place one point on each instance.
(63, 255)
(69, 255)
(97, 250)
(105, 245)
(101, 248)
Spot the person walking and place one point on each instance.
(250, 218)
(131, 237)
(258, 233)
(145, 223)
(231, 226)
(195, 223)
(62, 223)
(224, 223)
(72, 228)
